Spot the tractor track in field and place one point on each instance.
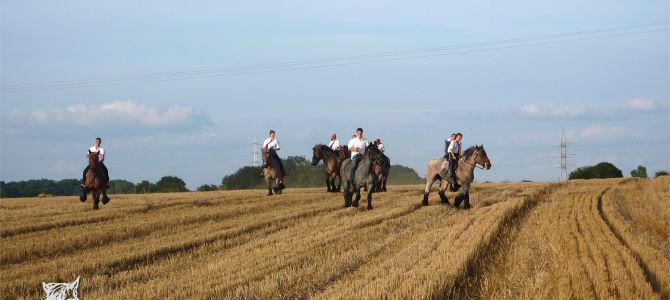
(648, 274)
(476, 267)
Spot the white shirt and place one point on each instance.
(381, 147)
(100, 151)
(270, 143)
(454, 147)
(334, 144)
(356, 143)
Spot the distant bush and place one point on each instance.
(601, 170)
(661, 173)
(207, 188)
(641, 172)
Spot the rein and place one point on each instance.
(469, 163)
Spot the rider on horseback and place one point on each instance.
(447, 142)
(272, 143)
(380, 146)
(101, 158)
(454, 152)
(334, 142)
(357, 147)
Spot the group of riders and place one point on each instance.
(357, 146)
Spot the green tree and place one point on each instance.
(661, 173)
(171, 184)
(641, 172)
(120, 186)
(244, 178)
(145, 187)
(207, 188)
(601, 170)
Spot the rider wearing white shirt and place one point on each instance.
(101, 158)
(334, 142)
(272, 143)
(357, 147)
(454, 152)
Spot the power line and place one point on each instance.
(342, 61)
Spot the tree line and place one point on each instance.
(608, 170)
(300, 174)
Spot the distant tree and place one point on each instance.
(171, 184)
(661, 173)
(601, 170)
(120, 186)
(207, 188)
(641, 172)
(244, 178)
(301, 173)
(145, 187)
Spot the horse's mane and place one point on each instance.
(470, 151)
(326, 149)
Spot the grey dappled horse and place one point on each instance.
(465, 174)
(363, 177)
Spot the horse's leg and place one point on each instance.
(105, 198)
(461, 197)
(466, 196)
(328, 190)
(84, 193)
(347, 195)
(96, 199)
(370, 200)
(426, 191)
(269, 184)
(384, 185)
(358, 196)
(339, 182)
(443, 196)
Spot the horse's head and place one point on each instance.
(482, 158)
(92, 158)
(344, 153)
(267, 154)
(317, 155)
(374, 154)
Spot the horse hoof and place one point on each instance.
(105, 200)
(82, 198)
(466, 206)
(95, 207)
(355, 204)
(369, 207)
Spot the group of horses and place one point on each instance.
(371, 174)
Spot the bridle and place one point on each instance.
(475, 164)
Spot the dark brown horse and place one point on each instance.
(331, 166)
(274, 179)
(465, 174)
(381, 173)
(95, 182)
(343, 153)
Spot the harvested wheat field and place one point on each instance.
(576, 239)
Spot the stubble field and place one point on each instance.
(576, 239)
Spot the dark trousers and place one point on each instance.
(453, 163)
(104, 172)
(354, 164)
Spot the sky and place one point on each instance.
(517, 75)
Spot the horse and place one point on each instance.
(274, 179)
(363, 176)
(95, 182)
(331, 166)
(465, 173)
(382, 173)
(343, 153)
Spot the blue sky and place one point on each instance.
(609, 94)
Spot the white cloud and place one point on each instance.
(127, 111)
(640, 104)
(131, 111)
(602, 131)
(552, 110)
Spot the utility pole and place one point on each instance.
(564, 157)
(256, 152)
